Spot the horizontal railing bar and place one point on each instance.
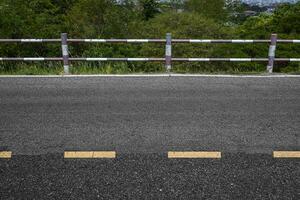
(233, 59)
(118, 40)
(220, 59)
(144, 41)
(117, 59)
(176, 41)
(231, 41)
(29, 40)
(31, 59)
(288, 41)
(155, 59)
(218, 41)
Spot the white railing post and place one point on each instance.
(272, 53)
(65, 52)
(169, 52)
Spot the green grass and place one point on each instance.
(124, 68)
(32, 70)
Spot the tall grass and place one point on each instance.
(55, 68)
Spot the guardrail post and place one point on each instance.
(65, 52)
(169, 52)
(272, 53)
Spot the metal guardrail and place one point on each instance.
(168, 53)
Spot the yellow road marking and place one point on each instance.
(5, 154)
(90, 154)
(286, 154)
(194, 154)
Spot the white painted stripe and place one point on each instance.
(66, 69)
(1, 58)
(169, 67)
(168, 50)
(137, 40)
(195, 41)
(272, 51)
(240, 59)
(295, 59)
(199, 59)
(242, 41)
(150, 75)
(200, 41)
(296, 41)
(34, 59)
(94, 40)
(31, 40)
(96, 59)
(138, 59)
(65, 50)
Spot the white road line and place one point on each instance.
(151, 75)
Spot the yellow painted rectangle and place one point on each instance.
(5, 154)
(107, 154)
(90, 154)
(286, 154)
(194, 154)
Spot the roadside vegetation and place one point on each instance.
(195, 19)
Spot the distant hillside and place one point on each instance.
(268, 2)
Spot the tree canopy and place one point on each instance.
(198, 19)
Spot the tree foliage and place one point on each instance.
(199, 19)
(212, 9)
(149, 8)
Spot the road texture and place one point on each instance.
(142, 119)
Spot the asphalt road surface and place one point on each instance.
(141, 119)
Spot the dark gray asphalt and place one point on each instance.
(142, 119)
